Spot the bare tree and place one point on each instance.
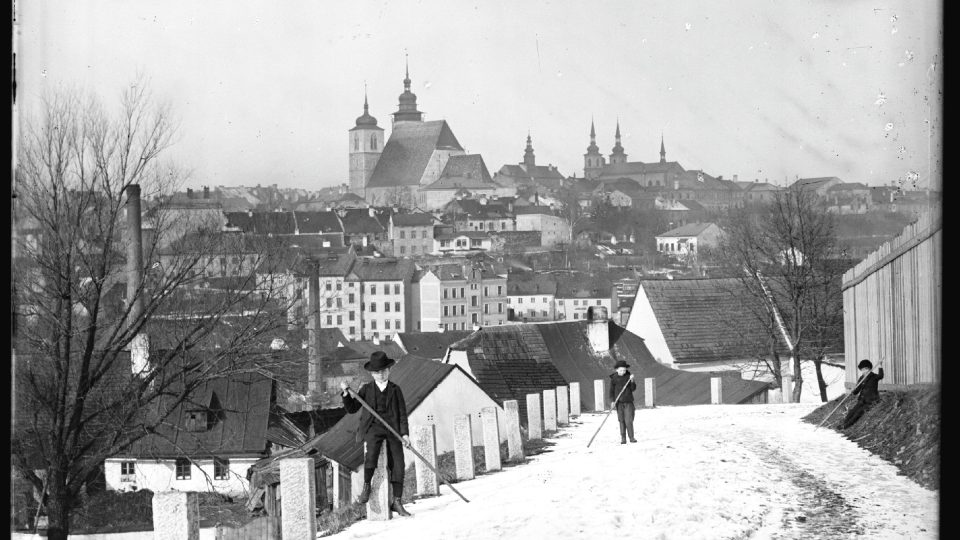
(785, 257)
(88, 383)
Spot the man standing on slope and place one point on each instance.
(623, 380)
(867, 391)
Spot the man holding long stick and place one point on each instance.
(386, 398)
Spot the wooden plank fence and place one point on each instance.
(262, 528)
(892, 306)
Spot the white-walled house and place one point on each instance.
(688, 239)
(554, 229)
(711, 325)
(434, 393)
(210, 441)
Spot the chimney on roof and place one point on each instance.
(206, 192)
(598, 331)
(735, 177)
(189, 193)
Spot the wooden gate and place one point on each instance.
(261, 528)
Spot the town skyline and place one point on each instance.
(768, 91)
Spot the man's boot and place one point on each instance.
(397, 506)
(364, 495)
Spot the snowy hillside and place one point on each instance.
(710, 472)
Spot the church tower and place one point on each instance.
(407, 109)
(593, 160)
(663, 151)
(366, 144)
(529, 160)
(617, 155)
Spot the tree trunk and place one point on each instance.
(58, 506)
(797, 379)
(817, 363)
(777, 376)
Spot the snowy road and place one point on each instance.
(710, 471)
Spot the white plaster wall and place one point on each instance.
(565, 312)
(458, 358)
(456, 394)
(160, 475)
(429, 305)
(832, 375)
(643, 322)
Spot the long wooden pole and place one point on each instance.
(397, 435)
(614, 406)
(845, 398)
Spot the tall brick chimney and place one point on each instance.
(314, 365)
(140, 345)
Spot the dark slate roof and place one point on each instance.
(366, 348)
(690, 229)
(273, 223)
(408, 150)
(525, 285)
(367, 269)
(467, 171)
(359, 221)
(242, 430)
(614, 170)
(707, 320)
(814, 183)
(317, 222)
(535, 172)
(413, 220)
(512, 361)
(431, 344)
(692, 205)
(416, 376)
(849, 186)
(546, 210)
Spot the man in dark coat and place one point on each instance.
(866, 390)
(623, 380)
(386, 398)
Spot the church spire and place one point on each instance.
(593, 148)
(407, 109)
(663, 151)
(528, 158)
(618, 155)
(366, 119)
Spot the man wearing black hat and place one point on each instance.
(622, 380)
(386, 398)
(867, 391)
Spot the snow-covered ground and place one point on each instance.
(708, 471)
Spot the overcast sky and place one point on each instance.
(266, 91)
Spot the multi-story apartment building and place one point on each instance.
(458, 297)
(412, 234)
(531, 298)
(383, 293)
(553, 229)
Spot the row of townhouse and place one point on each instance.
(540, 298)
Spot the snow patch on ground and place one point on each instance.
(696, 472)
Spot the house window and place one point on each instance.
(473, 301)
(396, 324)
(423, 234)
(183, 469)
(463, 309)
(329, 301)
(329, 286)
(462, 294)
(499, 290)
(576, 315)
(486, 291)
(403, 250)
(350, 298)
(373, 306)
(127, 473)
(339, 302)
(339, 320)
(453, 292)
(373, 289)
(544, 299)
(221, 468)
(413, 249)
(499, 307)
(386, 306)
(350, 315)
(473, 317)
(560, 302)
(396, 306)
(339, 286)
(544, 312)
(353, 330)
(445, 293)
(386, 324)
(373, 325)
(486, 309)
(445, 312)
(403, 235)
(519, 300)
(598, 302)
(329, 320)
(396, 288)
